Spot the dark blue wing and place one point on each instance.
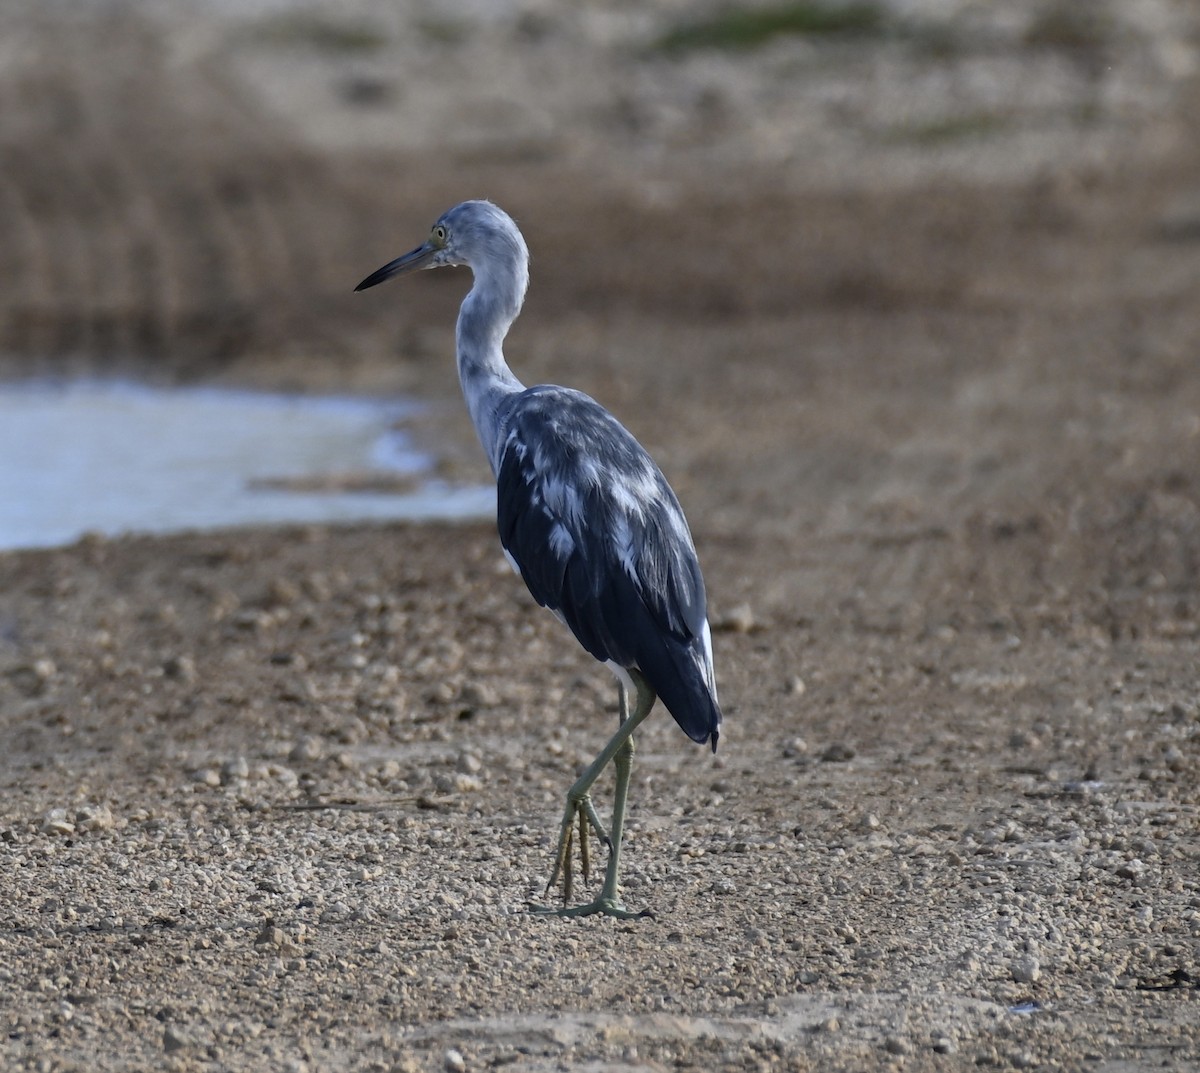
(600, 539)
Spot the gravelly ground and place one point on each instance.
(279, 799)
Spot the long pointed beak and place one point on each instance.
(410, 262)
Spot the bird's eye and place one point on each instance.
(439, 235)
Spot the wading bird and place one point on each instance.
(588, 521)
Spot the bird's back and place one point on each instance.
(600, 539)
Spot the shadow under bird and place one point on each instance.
(588, 521)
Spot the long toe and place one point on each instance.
(581, 813)
(600, 907)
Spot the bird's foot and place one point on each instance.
(580, 811)
(603, 906)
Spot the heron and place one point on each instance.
(588, 521)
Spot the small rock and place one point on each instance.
(309, 747)
(282, 592)
(389, 769)
(57, 822)
(235, 769)
(94, 818)
(944, 1045)
(479, 695)
(794, 748)
(296, 689)
(32, 678)
(285, 776)
(1134, 870)
(174, 1039)
(337, 913)
(469, 764)
(896, 1045)
(454, 1061)
(738, 619)
(1027, 970)
(180, 668)
(270, 935)
(795, 686)
(838, 753)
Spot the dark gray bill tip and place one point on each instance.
(378, 276)
(410, 262)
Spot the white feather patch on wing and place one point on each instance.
(706, 662)
(562, 544)
(622, 539)
(636, 494)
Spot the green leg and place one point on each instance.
(619, 751)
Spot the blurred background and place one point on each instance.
(192, 187)
(189, 189)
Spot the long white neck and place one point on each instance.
(483, 321)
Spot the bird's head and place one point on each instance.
(475, 233)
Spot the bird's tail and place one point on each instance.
(681, 674)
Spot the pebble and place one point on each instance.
(337, 913)
(94, 818)
(270, 935)
(181, 669)
(479, 695)
(794, 748)
(388, 770)
(173, 1039)
(1026, 970)
(838, 753)
(237, 768)
(283, 592)
(738, 619)
(1134, 870)
(32, 678)
(296, 689)
(309, 747)
(454, 1061)
(457, 783)
(58, 822)
(1022, 739)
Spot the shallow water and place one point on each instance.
(119, 458)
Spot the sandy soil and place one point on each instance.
(280, 799)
